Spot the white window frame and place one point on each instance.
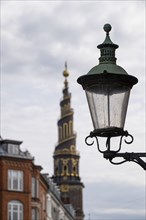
(49, 206)
(35, 188)
(15, 210)
(35, 213)
(15, 180)
(44, 202)
(13, 149)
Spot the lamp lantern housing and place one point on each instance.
(107, 87)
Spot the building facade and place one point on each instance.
(25, 193)
(56, 209)
(66, 156)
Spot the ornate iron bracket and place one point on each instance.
(112, 154)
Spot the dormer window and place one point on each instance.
(13, 148)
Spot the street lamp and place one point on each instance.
(107, 87)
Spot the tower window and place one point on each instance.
(65, 130)
(65, 167)
(75, 167)
(70, 128)
(56, 170)
(60, 133)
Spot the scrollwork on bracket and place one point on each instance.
(108, 145)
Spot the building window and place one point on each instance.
(15, 210)
(44, 201)
(35, 187)
(35, 214)
(15, 180)
(13, 149)
(49, 206)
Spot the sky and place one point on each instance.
(37, 37)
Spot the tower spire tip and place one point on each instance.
(65, 72)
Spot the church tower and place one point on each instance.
(66, 157)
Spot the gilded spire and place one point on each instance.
(66, 157)
(65, 74)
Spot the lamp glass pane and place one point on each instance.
(108, 105)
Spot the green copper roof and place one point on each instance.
(109, 68)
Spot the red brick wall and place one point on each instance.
(7, 195)
(25, 197)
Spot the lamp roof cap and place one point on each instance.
(107, 42)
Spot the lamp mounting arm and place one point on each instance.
(134, 157)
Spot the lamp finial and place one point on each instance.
(107, 28)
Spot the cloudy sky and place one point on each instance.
(37, 37)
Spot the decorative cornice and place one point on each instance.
(66, 151)
(17, 164)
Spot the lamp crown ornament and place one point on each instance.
(107, 48)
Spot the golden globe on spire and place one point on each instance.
(65, 72)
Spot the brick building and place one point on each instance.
(25, 193)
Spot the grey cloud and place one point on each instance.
(115, 200)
